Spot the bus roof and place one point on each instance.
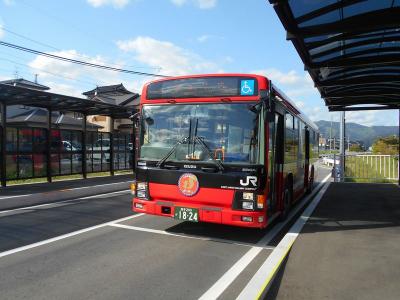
(293, 108)
(263, 83)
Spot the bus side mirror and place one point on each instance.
(135, 118)
(265, 99)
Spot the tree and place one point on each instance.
(386, 145)
(355, 148)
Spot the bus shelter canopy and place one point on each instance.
(14, 95)
(351, 48)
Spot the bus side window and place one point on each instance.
(289, 147)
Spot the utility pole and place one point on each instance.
(348, 143)
(342, 146)
(330, 138)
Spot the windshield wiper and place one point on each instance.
(205, 147)
(209, 152)
(161, 162)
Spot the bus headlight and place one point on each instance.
(142, 190)
(247, 205)
(248, 196)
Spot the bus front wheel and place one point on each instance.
(310, 186)
(286, 204)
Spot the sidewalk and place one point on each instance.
(348, 249)
(34, 194)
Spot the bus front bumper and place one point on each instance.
(220, 215)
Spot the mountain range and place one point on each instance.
(356, 132)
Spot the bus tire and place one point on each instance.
(310, 186)
(286, 204)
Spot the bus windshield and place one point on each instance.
(229, 131)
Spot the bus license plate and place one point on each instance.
(186, 214)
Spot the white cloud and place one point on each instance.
(206, 37)
(202, 4)
(366, 117)
(63, 88)
(172, 59)
(68, 69)
(203, 38)
(205, 4)
(1, 29)
(69, 72)
(9, 2)
(289, 78)
(114, 3)
(178, 2)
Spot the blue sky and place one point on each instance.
(172, 37)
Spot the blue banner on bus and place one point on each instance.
(247, 87)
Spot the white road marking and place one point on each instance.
(55, 204)
(222, 284)
(64, 236)
(163, 232)
(63, 190)
(263, 277)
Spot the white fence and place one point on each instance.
(366, 167)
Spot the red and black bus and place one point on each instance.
(222, 148)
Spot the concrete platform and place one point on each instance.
(16, 196)
(349, 248)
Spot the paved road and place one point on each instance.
(137, 257)
(21, 227)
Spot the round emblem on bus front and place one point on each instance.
(188, 184)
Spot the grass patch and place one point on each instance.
(371, 169)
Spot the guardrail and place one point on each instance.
(364, 167)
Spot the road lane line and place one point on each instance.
(63, 190)
(262, 279)
(163, 232)
(223, 283)
(64, 236)
(65, 201)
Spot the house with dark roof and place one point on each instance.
(27, 116)
(25, 84)
(115, 94)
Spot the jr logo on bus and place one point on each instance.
(249, 180)
(188, 184)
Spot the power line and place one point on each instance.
(79, 62)
(92, 80)
(58, 49)
(47, 72)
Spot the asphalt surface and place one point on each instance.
(21, 227)
(17, 196)
(138, 257)
(348, 249)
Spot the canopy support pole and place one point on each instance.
(3, 173)
(48, 145)
(84, 165)
(342, 146)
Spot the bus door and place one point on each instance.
(300, 133)
(307, 156)
(275, 157)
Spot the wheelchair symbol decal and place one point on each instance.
(247, 87)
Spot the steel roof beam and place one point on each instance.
(349, 36)
(371, 21)
(346, 108)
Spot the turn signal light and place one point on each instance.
(133, 188)
(260, 201)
